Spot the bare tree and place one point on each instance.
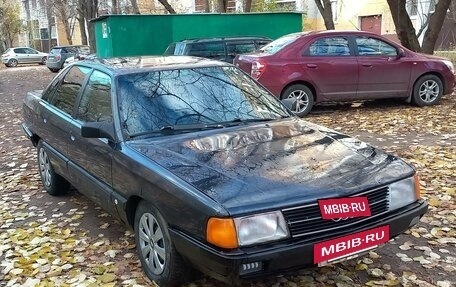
(247, 5)
(167, 6)
(325, 8)
(221, 5)
(66, 12)
(407, 33)
(134, 5)
(87, 10)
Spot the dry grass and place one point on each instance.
(447, 54)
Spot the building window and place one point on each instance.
(285, 5)
(44, 34)
(412, 7)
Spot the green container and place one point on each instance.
(134, 35)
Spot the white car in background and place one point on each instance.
(23, 55)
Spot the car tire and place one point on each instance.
(12, 63)
(43, 61)
(304, 96)
(53, 183)
(53, 70)
(159, 258)
(427, 91)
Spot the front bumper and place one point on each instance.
(279, 257)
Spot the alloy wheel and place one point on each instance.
(152, 243)
(45, 167)
(12, 63)
(429, 91)
(302, 100)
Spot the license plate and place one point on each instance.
(350, 246)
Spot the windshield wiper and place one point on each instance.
(238, 121)
(172, 129)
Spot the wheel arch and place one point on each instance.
(130, 209)
(437, 74)
(309, 85)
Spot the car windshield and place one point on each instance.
(84, 50)
(280, 43)
(55, 51)
(157, 100)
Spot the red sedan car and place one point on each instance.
(316, 67)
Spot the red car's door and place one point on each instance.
(332, 67)
(382, 73)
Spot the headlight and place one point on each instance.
(449, 64)
(231, 233)
(404, 192)
(261, 228)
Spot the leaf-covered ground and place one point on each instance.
(68, 241)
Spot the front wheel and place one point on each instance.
(304, 99)
(158, 256)
(12, 63)
(54, 184)
(43, 61)
(427, 91)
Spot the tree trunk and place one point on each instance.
(220, 6)
(134, 4)
(247, 5)
(324, 6)
(436, 20)
(404, 27)
(167, 6)
(207, 6)
(61, 10)
(82, 29)
(114, 8)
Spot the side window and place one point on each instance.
(335, 46)
(50, 90)
(31, 51)
(19, 51)
(374, 47)
(95, 105)
(214, 50)
(65, 96)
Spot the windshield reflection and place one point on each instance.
(152, 100)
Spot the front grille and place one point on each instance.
(307, 221)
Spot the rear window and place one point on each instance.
(280, 43)
(84, 50)
(170, 49)
(211, 50)
(55, 51)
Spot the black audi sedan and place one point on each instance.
(212, 171)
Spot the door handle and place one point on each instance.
(312, 66)
(367, 65)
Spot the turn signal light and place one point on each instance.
(222, 233)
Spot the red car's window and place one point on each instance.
(334, 46)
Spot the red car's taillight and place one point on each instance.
(57, 57)
(257, 69)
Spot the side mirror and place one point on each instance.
(400, 53)
(98, 130)
(290, 103)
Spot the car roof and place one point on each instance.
(214, 39)
(68, 46)
(126, 65)
(338, 32)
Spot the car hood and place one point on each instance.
(274, 165)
